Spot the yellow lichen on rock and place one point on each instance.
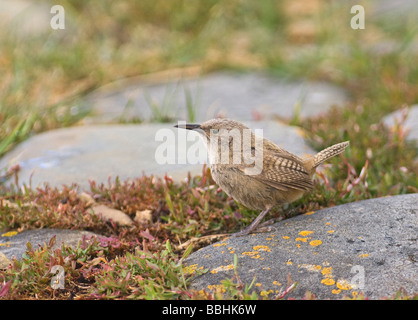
(328, 281)
(222, 268)
(190, 269)
(343, 284)
(9, 234)
(315, 243)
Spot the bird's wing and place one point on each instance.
(282, 172)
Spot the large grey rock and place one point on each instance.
(14, 246)
(241, 96)
(75, 155)
(371, 244)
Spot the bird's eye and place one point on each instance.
(215, 131)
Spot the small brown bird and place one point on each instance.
(255, 171)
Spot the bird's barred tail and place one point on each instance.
(329, 152)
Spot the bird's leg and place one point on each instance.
(253, 226)
(290, 213)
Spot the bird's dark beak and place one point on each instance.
(188, 126)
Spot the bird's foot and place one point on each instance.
(254, 226)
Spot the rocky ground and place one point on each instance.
(367, 246)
